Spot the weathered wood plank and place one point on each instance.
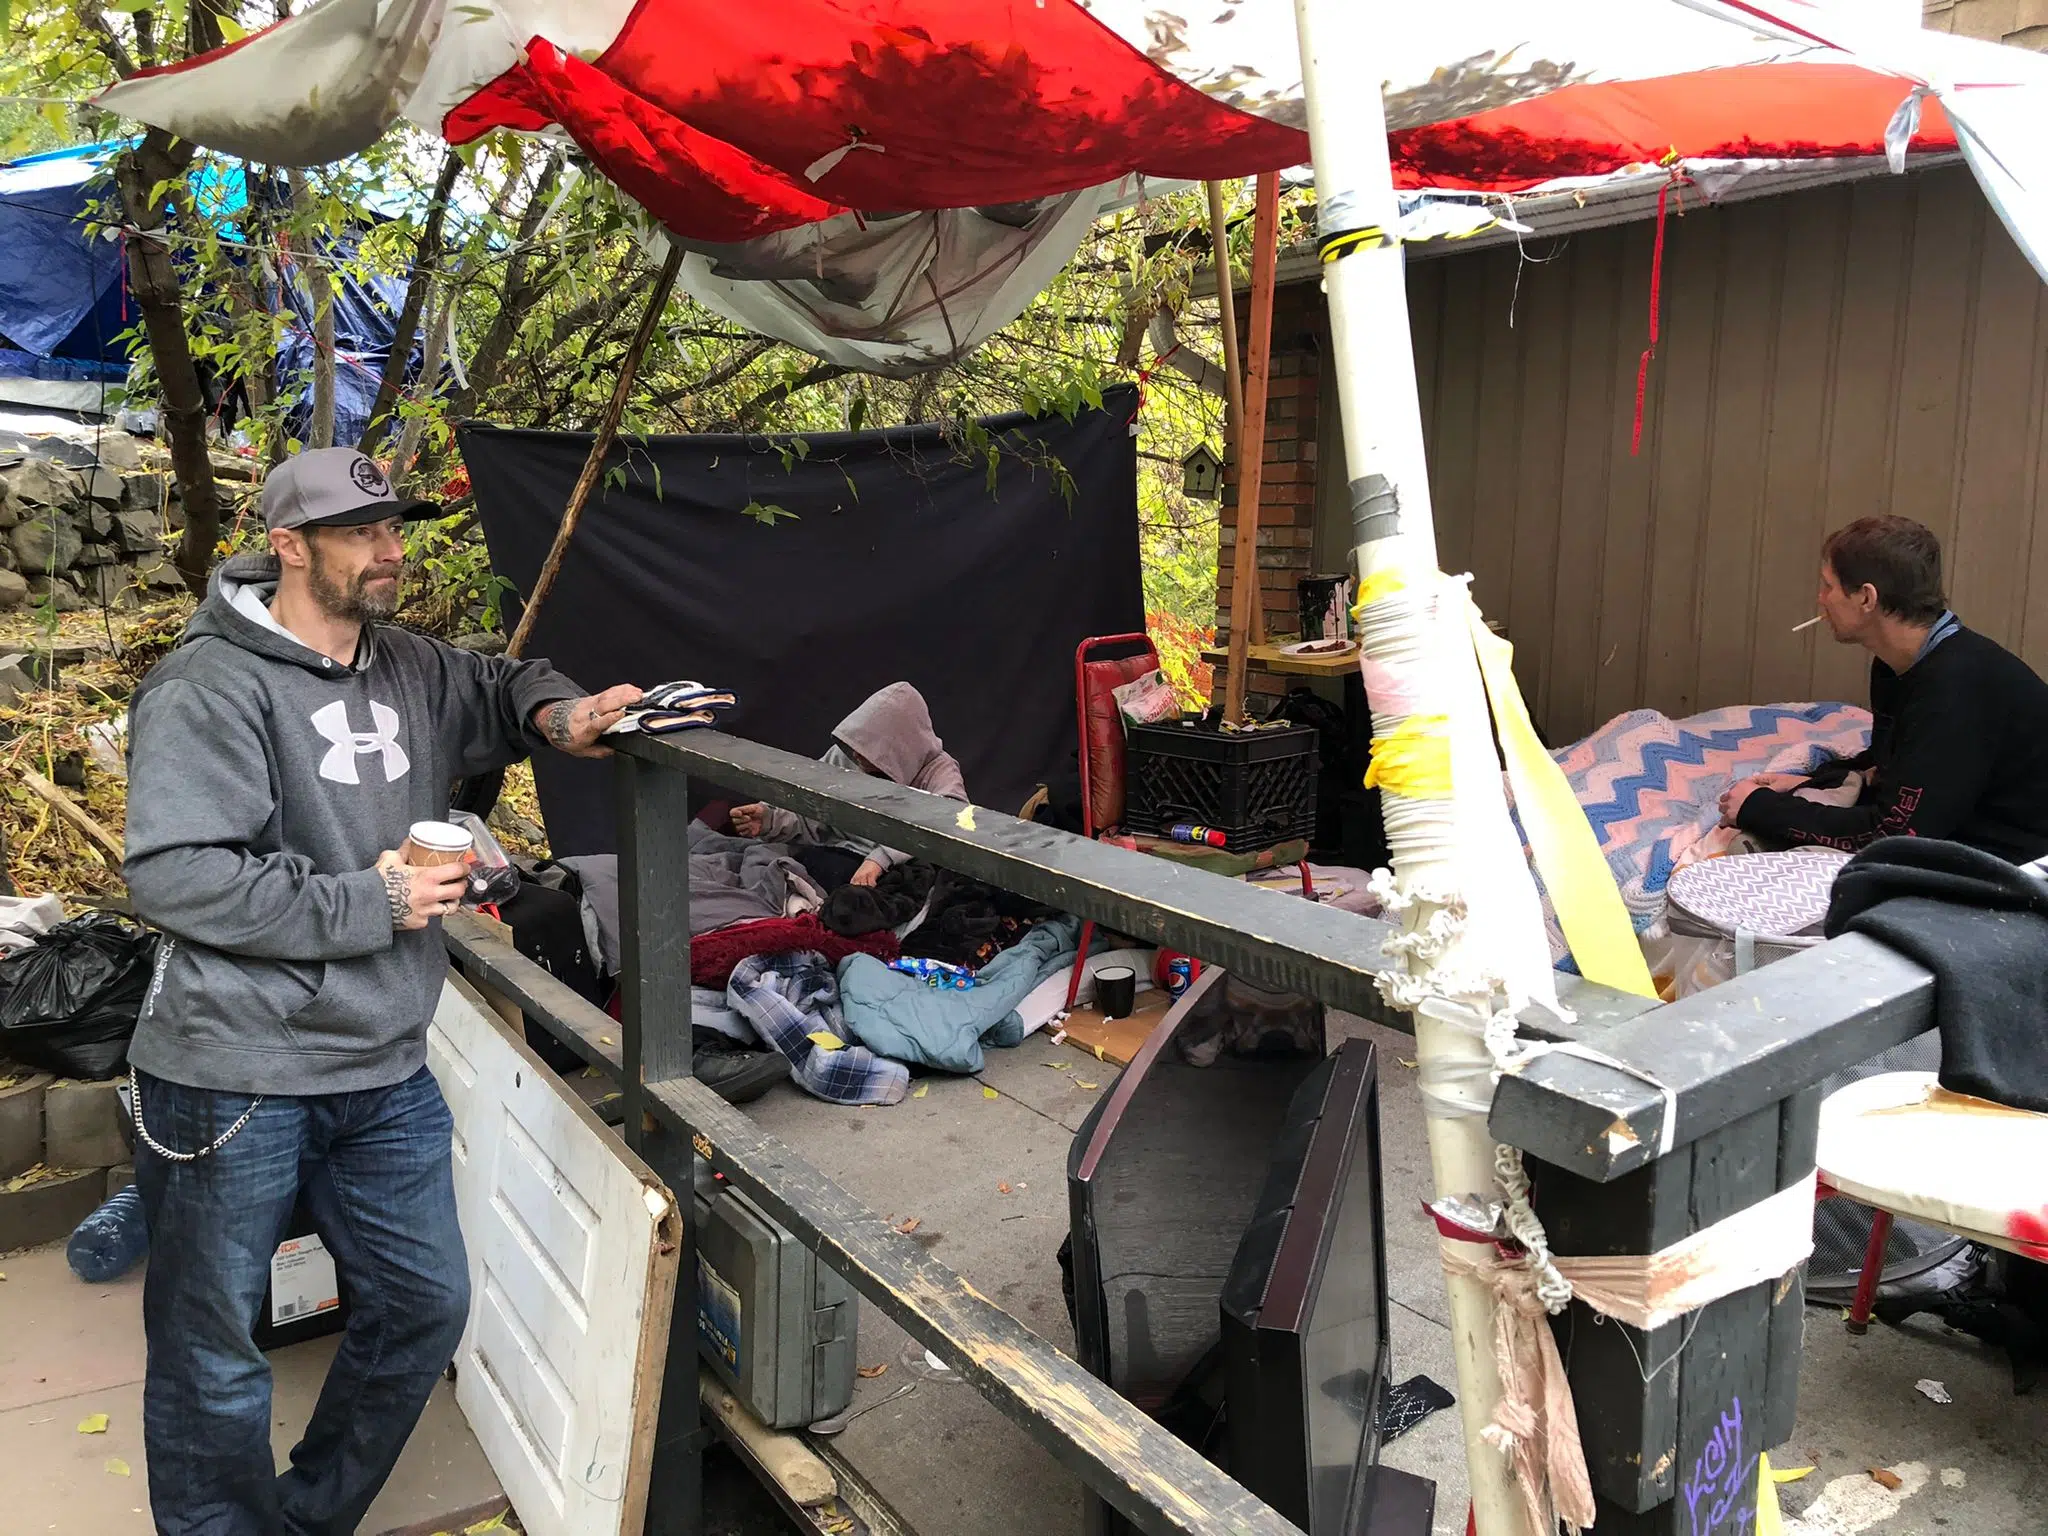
(654, 930)
(1628, 1410)
(1269, 939)
(654, 1019)
(1726, 1053)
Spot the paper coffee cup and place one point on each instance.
(428, 843)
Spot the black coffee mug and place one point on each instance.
(1116, 991)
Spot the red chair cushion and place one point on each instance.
(1103, 738)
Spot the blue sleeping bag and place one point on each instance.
(899, 1016)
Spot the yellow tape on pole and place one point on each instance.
(1414, 761)
(1575, 873)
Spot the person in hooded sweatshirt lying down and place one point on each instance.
(890, 737)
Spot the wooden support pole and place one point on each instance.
(593, 467)
(1233, 369)
(1673, 1419)
(653, 807)
(1247, 604)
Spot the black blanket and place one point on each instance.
(1981, 925)
(805, 573)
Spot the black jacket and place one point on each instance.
(1958, 750)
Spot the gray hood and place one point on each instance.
(893, 730)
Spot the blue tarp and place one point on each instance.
(60, 288)
(63, 292)
(365, 316)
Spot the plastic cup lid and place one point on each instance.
(440, 835)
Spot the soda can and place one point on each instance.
(1180, 975)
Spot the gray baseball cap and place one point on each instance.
(333, 488)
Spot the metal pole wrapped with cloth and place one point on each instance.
(1472, 936)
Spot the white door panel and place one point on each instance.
(572, 1259)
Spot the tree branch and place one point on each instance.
(751, 413)
(426, 260)
(517, 295)
(723, 374)
(105, 37)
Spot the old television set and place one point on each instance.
(1227, 1267)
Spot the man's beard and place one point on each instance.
(353, 603)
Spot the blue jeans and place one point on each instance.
(378, 1183)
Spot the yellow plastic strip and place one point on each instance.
(1575, 873)
(1769, 1520)
(1415, 761)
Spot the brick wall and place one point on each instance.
(2021, 23)
(1287, 492)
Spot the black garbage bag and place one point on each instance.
(69, 1002)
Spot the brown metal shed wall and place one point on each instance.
(1864, 348)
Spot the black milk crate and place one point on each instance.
(1257, 787)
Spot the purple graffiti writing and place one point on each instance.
(1713, 1494)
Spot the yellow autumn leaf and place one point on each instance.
(825, 1040)
(93, 1424)
(118, 1467)
(921, 1090)
(1091, 1087)
(965, 820)
(988, 1092)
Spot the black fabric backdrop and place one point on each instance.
(898, 563)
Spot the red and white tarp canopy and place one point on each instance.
(730, 120)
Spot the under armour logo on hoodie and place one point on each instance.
(339, 765)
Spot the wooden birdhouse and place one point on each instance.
(1202, 473)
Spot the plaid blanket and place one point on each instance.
(1651, 786)
(791, 998)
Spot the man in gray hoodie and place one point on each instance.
(277, 758)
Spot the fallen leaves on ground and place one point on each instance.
(93, 1424)
(1885, 1477)
(870, 1372)
(921, 1090)
(988, 1092)
(1083, 1083)
(1002, 1189)
(909, 1224)
(118, 1467)
(39, 1174)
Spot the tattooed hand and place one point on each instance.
(574, 725)
(419, 895)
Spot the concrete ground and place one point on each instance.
(950, 1465)
(70, 1351)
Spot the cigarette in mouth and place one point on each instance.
(1809, 623)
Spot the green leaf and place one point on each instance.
(231, 30)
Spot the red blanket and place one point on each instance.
(713, 955)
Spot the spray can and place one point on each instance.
(1195, 832)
